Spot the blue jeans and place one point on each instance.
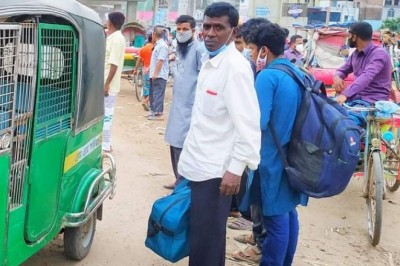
(281, 240)
(146, 84)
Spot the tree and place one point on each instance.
(392, 24)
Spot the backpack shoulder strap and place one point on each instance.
(289, 71)
(317, 86)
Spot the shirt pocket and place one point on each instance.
(209, 101)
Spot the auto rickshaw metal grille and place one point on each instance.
(9, 35)
(23, 111)
(57, 71)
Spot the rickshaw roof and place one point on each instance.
(70, 6)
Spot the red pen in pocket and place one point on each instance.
(212, 92)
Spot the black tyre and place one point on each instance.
(392, 169)
(392, 182)
(375, 197)
(139, 85)
(78, 240)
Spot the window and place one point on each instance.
(396, 2)
(388, 2)
(390, 13)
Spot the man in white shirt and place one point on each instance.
(114, 62)
(224, 135)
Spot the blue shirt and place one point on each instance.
(160, 52)
(279, 97)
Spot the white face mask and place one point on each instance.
(246, 52)
(261, 63)
(300, 48)
(184, 36)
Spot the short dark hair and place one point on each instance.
(117, 19)
(295, 37)
(362, 29)
(186, 19)
(149, 38)
(286, 31)
(270, 35)
(251, 25)
(220, 9)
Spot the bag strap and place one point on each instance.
(289, 71)
(278, 145)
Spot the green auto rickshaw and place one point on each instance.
(53, 175)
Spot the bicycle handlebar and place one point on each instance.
(359, 108)
(367, 109)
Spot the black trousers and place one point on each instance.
(175, 154)
(208, 216)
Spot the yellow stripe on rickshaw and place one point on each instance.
(75, 157)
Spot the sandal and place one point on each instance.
(245, 239)
(250, 254)
(240, 224)
(145, 106)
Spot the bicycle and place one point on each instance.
(374, 167)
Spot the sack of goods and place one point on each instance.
(324, 148)
(168, 227)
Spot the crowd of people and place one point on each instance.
(226, 97)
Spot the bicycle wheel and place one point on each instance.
(392, 169)
(139, 85)
(392, 183)
(375, 197)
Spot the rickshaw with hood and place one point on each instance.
(53, 175)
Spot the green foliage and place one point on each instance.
(392, 24)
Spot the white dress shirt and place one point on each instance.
(224, 133)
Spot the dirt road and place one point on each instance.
(333, 231)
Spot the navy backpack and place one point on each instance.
(324, 147)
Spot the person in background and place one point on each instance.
(287, 41)
(188, 63)
(114, 62)
(159, 72)
(372, 69)
(270, 184)
(241, 45)
(172, 55)
(144, 59)
(213, 158)
(295, 51)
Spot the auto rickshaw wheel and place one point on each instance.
(78, 240)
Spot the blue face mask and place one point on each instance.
(219, 50)
(216, 52)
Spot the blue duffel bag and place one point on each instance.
(169, 225)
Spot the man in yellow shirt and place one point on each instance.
(114, 62)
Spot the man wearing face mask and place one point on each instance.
(224, 135)
(279, 98)
(188, 63)
(372, 68)
(296, 50)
